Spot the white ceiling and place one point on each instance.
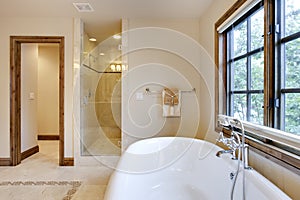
(105, 20)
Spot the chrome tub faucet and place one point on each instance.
(233, 142)
(230, 151)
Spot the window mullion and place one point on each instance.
(248, 69)
(230, 72)
(281, 66)
(278, 21)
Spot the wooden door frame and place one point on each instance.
(15, 93)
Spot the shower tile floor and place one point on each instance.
(42, 168)
(104, 141)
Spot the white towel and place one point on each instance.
(171, 110)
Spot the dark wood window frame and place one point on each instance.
(268, 148)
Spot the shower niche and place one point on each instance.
(100, 92)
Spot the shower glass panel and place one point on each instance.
(100, 92)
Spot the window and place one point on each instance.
(258, 76)
(288, 64)
(245, 67)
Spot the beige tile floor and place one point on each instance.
(43, 166)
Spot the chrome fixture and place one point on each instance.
(234, 143)
(231, 151)
(245, 148)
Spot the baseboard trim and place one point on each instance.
(68, 162)
(48, 137)
(5, 162)
(29, 152)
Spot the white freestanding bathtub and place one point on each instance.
(174, 168)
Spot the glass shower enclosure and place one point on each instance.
(100, 100)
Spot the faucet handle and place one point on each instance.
(221, 137)
(234, 144)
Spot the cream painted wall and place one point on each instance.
(29, 74)
(190, 27)
(288, 181)
(48, 79)
(168, 56)
(208, 20)
(42, 27)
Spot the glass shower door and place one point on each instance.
(100, 91)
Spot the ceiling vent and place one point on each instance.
(83, 7)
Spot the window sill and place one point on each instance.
(273, 134)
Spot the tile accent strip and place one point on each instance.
(75, 185)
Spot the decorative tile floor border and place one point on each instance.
(75, 185)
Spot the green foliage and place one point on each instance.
(292, 114)
(239, 69)
(240, 39)
(291, 69)
(292, 17)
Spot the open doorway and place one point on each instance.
(16, 95)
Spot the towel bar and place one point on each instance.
(148, 91)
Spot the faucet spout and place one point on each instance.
(231, 151)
